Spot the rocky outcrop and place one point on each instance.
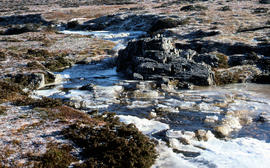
(264, 1)
(23, 19)
(157, 59)
(129, 22)
(18, 24)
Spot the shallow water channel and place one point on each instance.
(173, 116)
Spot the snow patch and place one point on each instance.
(148, 127)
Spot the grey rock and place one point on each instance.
(243, 59)
(89, 87)
(156, 58)
(264, 1)
(23, 19)
(132, 22)
(209, 59)
(264, 117)
(137, 76)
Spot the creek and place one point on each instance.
(174, 116)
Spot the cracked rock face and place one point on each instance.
(157, 59)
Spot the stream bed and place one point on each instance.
(184, 119)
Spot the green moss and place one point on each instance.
(2, 56)
(49, 78)
(222, 60)
(58, 64)
(10, 91)
(26, 80)
(2, 110)
(35, 65)
(63, 113)
(112, 144)
(45, 102)
(55, 157)
(228, 78)
(38, 53)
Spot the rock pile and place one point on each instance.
(157, 59)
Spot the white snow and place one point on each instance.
(169, 159)
(109, 35)
(240, 153)
(147, 127)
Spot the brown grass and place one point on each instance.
(83, 12)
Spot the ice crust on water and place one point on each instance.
(169, 159)
(240, 153)
(109, 35)
(147, 127)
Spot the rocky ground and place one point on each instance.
(185, 44)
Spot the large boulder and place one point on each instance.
(157, 59)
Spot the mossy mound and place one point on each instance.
(2, 56)
(45, 102)
(10, 91)
(35, 65)
(58, 64)
(55, 157)
(2, 111)
(222, 60)
(111, 144)
(40, 53)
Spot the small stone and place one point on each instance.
(210, 119)
(264, 117)
(223, 130)
(145, 94)
(89, 87)
(201, 135)
(137, 76)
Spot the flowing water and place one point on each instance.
(170, 115)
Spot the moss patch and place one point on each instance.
(55, 157)
(63, 113)
(2, 110)
(112, 144)
(222, 78)
(40, 53)
(222, 60)
(2, 56)
(35, 65)
(57, 64)
(45, 102)
(10, 91)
